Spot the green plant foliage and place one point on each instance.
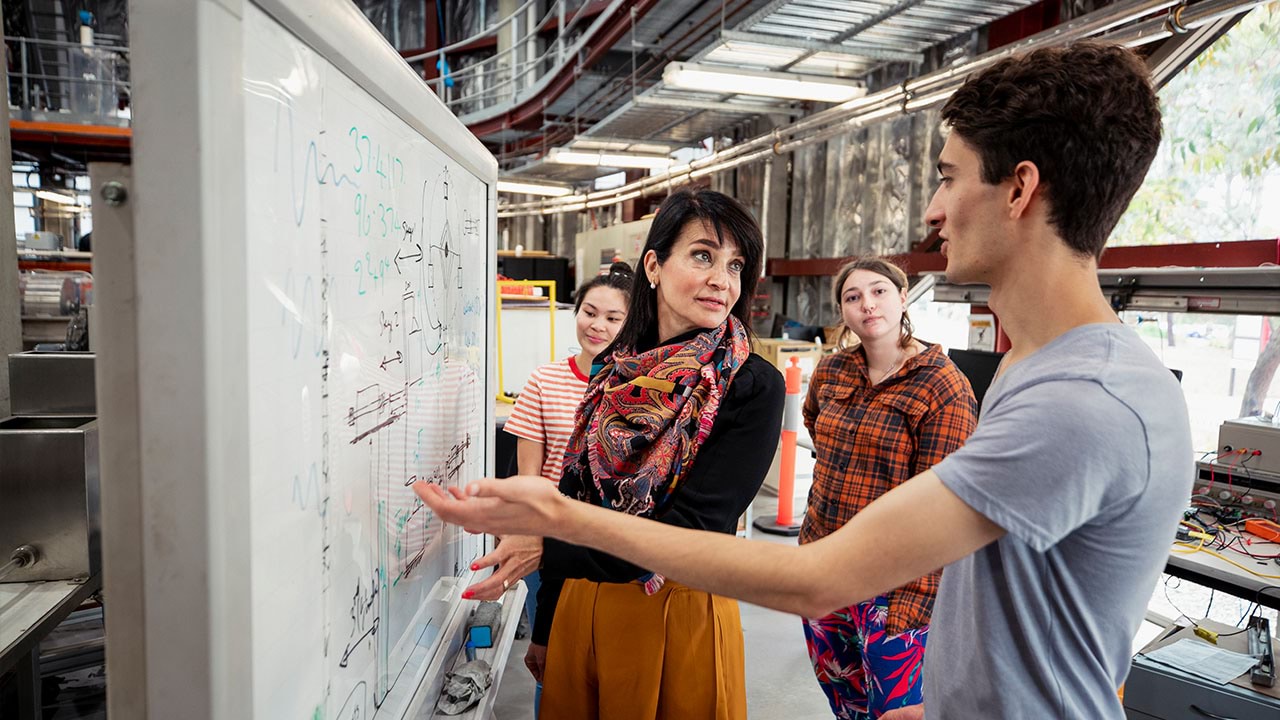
(1221, 147)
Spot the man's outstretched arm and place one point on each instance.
(910, 531)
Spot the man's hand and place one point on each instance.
(536, 660)
(519, 505)
(515, 556)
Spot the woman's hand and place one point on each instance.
(520, 505)
(536, 660)
(515, 556)
(910, 712)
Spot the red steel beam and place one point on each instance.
(1024, 23)
(431, 35)
(65, 265)
(1243, 253)
(56, 133)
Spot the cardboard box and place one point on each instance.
(831, 335)
(779, 352)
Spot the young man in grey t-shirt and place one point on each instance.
(1054, 520)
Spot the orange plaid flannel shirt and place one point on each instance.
(871, 438)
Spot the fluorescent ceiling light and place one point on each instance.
(607, 159)
(529, 188)
(723, 80)
(56, 197)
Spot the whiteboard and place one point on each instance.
(297, 272)
(368, 303)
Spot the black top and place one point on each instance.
(725, 477)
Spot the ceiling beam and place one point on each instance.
(855, 49)
(1179, 50)
(889, 12)
(715, 106)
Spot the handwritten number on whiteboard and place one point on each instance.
(354, 133)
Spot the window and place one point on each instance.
(1216, 354)
(944, 323)
(1219, 160)
(1217, 167)
(23, 221)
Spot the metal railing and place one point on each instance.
(51, 79)
(522, 62)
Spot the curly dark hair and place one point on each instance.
(1086, 115)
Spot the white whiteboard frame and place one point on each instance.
(183, 482)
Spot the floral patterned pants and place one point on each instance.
(864, 672)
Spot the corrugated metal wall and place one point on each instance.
(862, 193)
(865, 192)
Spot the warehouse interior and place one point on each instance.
(186, 324)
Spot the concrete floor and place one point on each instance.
(780, 683)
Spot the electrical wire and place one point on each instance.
(1201, 548)
(1213, 466)
(1172, 604)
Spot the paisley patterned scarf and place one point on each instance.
(645, 415)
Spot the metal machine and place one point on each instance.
(1255, 441)
(1244, 474)
(49, 470)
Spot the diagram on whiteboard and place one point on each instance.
(368, 311)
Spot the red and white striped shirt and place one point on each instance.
(546, 409)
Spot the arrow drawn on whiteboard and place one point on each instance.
(399, 358)
(346, 654)
(416, 257)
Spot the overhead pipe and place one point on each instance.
(915, 95)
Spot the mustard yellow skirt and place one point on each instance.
(618, 654)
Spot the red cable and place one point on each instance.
(1213, 465)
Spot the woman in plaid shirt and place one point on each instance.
(879, 413)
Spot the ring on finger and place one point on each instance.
(506, 584)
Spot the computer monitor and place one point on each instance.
(979, 366)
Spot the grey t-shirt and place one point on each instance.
(1083, 455)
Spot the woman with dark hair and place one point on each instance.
(883, 409)
(679, 424)
(542, 421)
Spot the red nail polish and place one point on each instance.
(475, 566)
(466, 594)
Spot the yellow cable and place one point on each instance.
(1192, 551)
(1200, 548)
